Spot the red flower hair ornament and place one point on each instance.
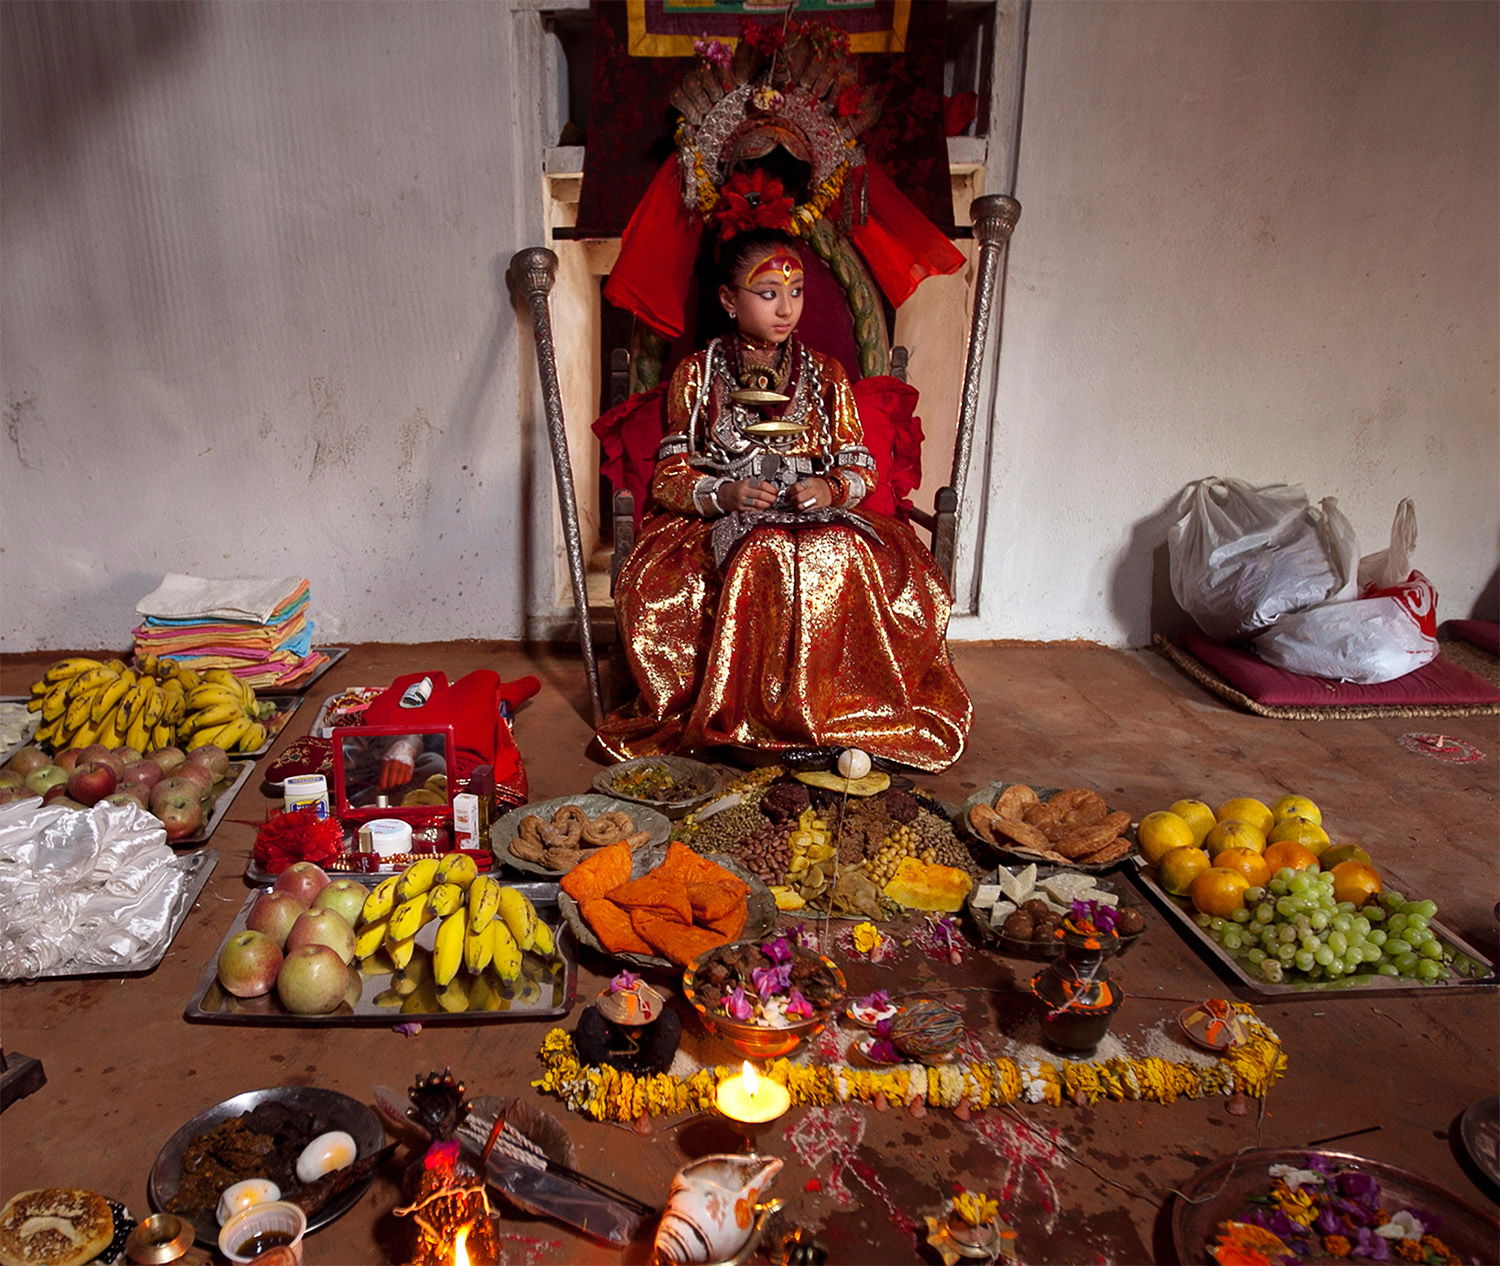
(752, 200)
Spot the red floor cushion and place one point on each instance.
(1484, 634)
(1438, 684)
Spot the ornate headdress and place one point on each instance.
(795, 89)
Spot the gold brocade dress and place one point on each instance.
(782, 628)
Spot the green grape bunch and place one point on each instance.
(1293, 931)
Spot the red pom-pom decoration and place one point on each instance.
(296, 837)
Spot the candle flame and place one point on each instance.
(752, 1079)
(460, 1251)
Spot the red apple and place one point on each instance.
(129, 754)
(9, 795)
(249, 964)
(68, 758)
(58, 792)
(212, 757)
(347, 896)
(354, 989)
(90, 782)
(312, 980)
(133, 796)
(44, 776)
(323, 927)
(304, 880)
(169, 758)
(174, 793)
(144, 774)
(28, 759)
(181, 821)
(199, 775)
(97, 751)
(274, 913)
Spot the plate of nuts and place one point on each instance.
(1019, 909)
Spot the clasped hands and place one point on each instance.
(811, 493)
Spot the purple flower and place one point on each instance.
(884, 1052)
(769, 982)
(1370, 1246)
(1358, 1186)
(877, 1001)
(1329, 1223)
(799, 1006)
(882, 1028)
(778, 951)
(624, 982)
(410, 1029)
(737, 1006)
(714, 52)
(1316, 1160)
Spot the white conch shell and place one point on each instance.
(711, 1207)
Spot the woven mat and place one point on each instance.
(1459, 654)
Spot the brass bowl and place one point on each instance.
(162, 1237)
(763, 1041)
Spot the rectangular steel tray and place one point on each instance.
(1180, 915)
(196, 867)
(275, 723)
(238, 772)
(547, 988)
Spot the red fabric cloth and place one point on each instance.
(1438, 684)
(629, 435)
(893, 434)
(471, 705)
(1484, 634)
(901, 245)
(658, 253)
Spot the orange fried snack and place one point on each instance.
(612, 926)
(688, 867)
(599, 874)
(730, 925)
(659, 895)
(712, 902)
(679, 942)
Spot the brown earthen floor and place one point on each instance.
(1084, 1184)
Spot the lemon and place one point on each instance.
(1160, 832)
(1299, 831)
(1180, 867)
(1297, 807)
(1234, 833)
(1247, 809)
(1197, 815)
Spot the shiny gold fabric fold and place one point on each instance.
(811, 635)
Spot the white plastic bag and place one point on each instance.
(1242, 557)
(1389, 630)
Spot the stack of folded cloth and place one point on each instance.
(258, 629)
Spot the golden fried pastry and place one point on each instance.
(1015, 800)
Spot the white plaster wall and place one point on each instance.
(251, 318)
(1258, 239)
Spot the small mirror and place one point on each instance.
(391, 771)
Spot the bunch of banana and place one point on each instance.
(85, 701)
(482, 923)
(223, 710)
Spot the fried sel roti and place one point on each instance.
(54, 1226)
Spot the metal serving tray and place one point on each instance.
(546, 990)
(1180, 914)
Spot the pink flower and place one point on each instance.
(798, 1006)
(714, 52)
(738, 1006)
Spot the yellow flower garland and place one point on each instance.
(607, 1094)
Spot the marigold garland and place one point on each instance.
(607, 1094)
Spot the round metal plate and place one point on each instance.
(508, 828)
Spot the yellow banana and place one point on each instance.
(138, 736)
(201, 697)
(479, 948)
(119, 665)
(85, 735)
(63, 669)
(423, 1000)
(155, 705)
(369, 938)
(519, 915)
(400, 952)
(188, 677)
(484, 993)
(408, 917)
(448, 948)
(484, 902)
(416, 878)
(505, 954)
(108, 699)
(457, 868)
(149, 663)
(131, 701)
(214, 714)
(109, 732)
(544, 943)
(201, 738)
(229, 735)
(54, 703)
(254, 738)
(162, 736)
(46, 733)
(454, 996)
(380, 902)
(79, 712)
(34, 704)
(175, 710)
(444, 899)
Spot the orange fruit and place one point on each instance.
(1247, 809)
(1290, 853)
(1248, 862)
(1355, 881)
(1180, 867)
(1296, 807)
(1299, 831)
(1336, 853)
(1196, 814)
(1218, 890)
(1160, 832)
(1234, 833)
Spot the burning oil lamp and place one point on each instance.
(751, 1103)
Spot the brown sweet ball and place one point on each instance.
(1018, 926)
(1131, 922)
(1036, 908)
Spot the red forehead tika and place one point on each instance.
(778, 266)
